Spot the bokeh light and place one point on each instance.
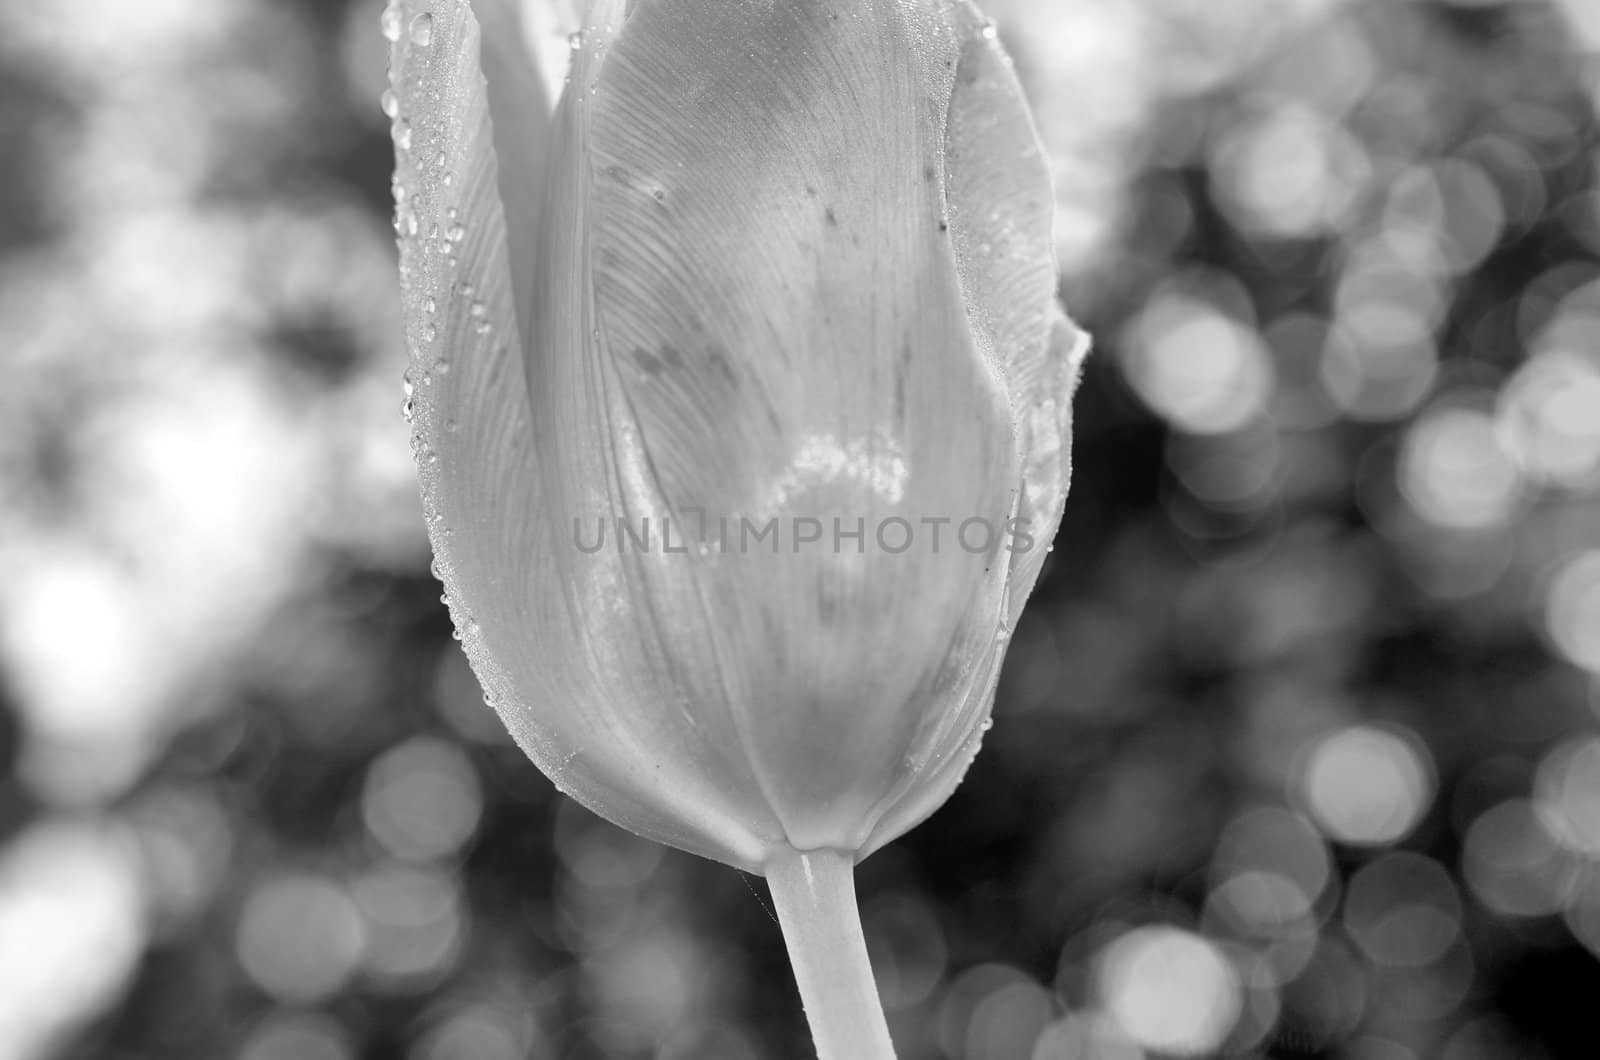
(1514, 865)
(1402, 911)
(1567, 795)
(1546, 418)
(422, 799)
(297, 1036)
(1193, 364)
(71, 931)
(1366, 785)
(300, 937)
(1455, 473)
(1572, 610)
(1169, 990)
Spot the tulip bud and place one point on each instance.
(741, 399)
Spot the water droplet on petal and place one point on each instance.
(422, 30)
(390, 103)
(575, 41)
(456, 232)
(405, 220)
(402, 134)
(391, 22)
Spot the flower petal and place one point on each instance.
(947, 750)
(924, 789)
(1001, 211)
(522, 102)
(1047, 462)
(1002, 223)
(496, 547)
(779, 330)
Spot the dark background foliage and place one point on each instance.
(1296, 750)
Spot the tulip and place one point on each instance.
(769, 269)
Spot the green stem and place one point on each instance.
(815, 893)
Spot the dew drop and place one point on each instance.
(391, 22)
(422, 30)
(390, 103)
(430, 332)
(402, 134)
(479, 310)
(990, 31)
(483, 327)
(575, 41)
(430, 304)
(456, 232)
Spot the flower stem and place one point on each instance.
(815, 893)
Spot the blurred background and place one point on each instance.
(1297, 750)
